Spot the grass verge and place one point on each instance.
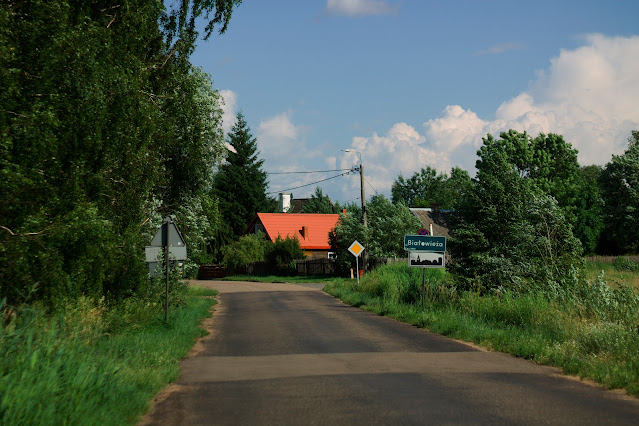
(93, 365)
(582, 341)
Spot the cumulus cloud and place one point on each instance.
(278, 129)
(283, 148)
(229, 106)
(588, 95)
(401, 151)
(359, 8)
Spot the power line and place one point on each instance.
(313, 171)
(370, 186)
(312, 183)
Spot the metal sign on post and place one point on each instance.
(167, 241)
(356, 249)
(425, 251)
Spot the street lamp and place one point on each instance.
(361, 179)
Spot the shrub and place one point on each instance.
(282, 254)
(250, 248)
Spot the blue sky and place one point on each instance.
(418, 83)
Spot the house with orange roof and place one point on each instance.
(311, 229)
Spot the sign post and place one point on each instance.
(168, 241)
(356, 249)
(425, 251)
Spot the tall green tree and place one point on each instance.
(589, 209)
(620, 191)
(512, 233)
(387, 223)
(94, 95)
(426, 187)
(240, 183)
(320, 203)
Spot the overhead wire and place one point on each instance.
(312, 183)
(312, 171)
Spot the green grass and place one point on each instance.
(617, 273)
(600, 343)
(93, 365)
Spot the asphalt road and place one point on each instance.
(284, 354)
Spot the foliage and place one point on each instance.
(383, 236)
(427, 187)
(90, 363)
(247, 249)
(588, 209)
(620, 191)
(198, 219)
(387, 225)
(240, 183)
(103, 117)
(513, 234)
(320, 203)
(283, 253)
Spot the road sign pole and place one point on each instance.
(165, 241)
(357, 269)
(423, 287)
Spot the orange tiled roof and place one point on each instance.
(315, 225)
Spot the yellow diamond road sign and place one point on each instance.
(356, 248)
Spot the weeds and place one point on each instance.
(90, 363)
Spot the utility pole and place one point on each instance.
(361, 180)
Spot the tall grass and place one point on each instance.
(92, 364)
(588, 328)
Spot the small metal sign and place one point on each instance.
(356, 249)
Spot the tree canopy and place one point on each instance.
(620, 190)
(426, 187)
(240, 183)
(320, 203)
(512, 232)
(103, 119)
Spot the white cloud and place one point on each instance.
(401, 150)
(589, 95)
(358, 8)
(278, 129)
(283, 148)
(229, 105)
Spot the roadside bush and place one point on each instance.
(282, 254)
(249, 248)
(399, 283)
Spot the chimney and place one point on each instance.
(343, 211)
(285, 202)
(434, 207)
(304, 232)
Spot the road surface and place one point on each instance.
(286, 354)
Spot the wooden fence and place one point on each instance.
(323, 266)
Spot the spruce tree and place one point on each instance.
(240, 183)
